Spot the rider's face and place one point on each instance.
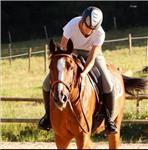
(86, 29)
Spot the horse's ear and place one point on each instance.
(52, 46)
(69, 46)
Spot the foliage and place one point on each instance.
(28, 18)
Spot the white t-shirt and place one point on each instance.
(72, 31)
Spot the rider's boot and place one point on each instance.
(45, 123)
(110, 126)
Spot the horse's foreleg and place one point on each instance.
(83, 141)
(114, 140)
(62, 142)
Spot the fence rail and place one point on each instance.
(46, 50)
(20, 55)
(21, 99)
(36, 120)
(40, 100)
(140, 97)
(116, 40)
(106, 41)
(19, 120)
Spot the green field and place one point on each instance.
(16, 81)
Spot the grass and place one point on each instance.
(130, 110)
(122, 33)
(18, 82)
(24, 133)
(121, 58)
(23, 46)
(129, 134)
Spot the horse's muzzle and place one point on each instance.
(60, 100)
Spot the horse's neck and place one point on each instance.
(84, 95)
(87, 94)
(75, 94)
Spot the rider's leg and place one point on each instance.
(108, 96)
(44, 123)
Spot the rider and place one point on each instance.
(88, 36)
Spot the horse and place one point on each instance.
(72, 105)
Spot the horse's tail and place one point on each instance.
(132, 84)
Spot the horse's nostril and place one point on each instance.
(64, 98)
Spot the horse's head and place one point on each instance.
(63, 73)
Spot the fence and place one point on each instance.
(35, 120)
(29, 54)
(40, 100)
(46, 50)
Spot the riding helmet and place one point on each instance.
(92, 17)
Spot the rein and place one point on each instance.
(72, 109)
(77, 99)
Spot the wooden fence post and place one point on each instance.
(10, 48)
(146, 55)
(115, 22)
(45, 58)
(10, 53)
(130, 43)
(137, 104)
(29, 55)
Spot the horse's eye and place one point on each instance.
(70, 85)
(70, 68)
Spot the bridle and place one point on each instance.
(59, 81)
(78, 99)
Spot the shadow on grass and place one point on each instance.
(25, 133)
(129, 133)
(30, 133)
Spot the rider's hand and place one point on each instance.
(81, 78)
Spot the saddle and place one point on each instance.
(95, 79)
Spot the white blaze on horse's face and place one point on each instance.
(60, 66)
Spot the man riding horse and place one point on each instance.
(88, 36)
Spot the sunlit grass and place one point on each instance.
(121, 58)
(17, 81)
(23, 132)
(130, 110)
(22, 109)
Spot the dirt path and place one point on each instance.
(51, 145)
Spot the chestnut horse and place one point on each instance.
(72, 106)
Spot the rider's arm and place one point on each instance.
(63, 42)
(91, 59)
